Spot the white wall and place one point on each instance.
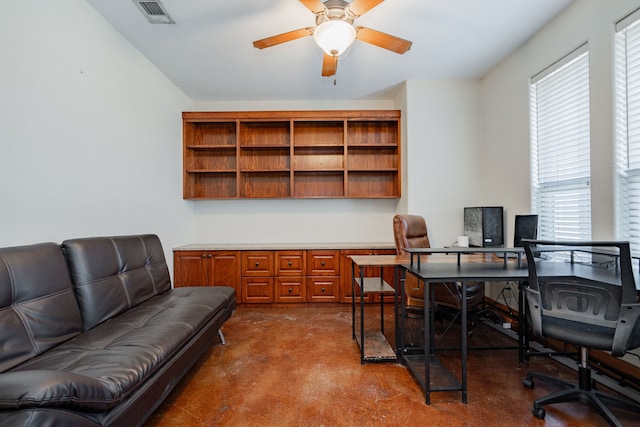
(440, 152)
(90, 131)
(505, 109)
(293, 220)
(444, 148)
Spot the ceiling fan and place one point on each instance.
(334, 31)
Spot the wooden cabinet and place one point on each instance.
(291, 154)
(291, 282)
(274, 276)
(257, 276)
(207, 268)
(323, 275)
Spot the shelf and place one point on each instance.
(264, 146)
(356, 146)
(291, 154)
(319, 184)
(232, 171)
(374, 284)
(320, 158)
(267, 133)
(318, 133)
(265, 185)
(210, 147)
(211, 185)
(264, 170)
(373, 183)
(372, 133)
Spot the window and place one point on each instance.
(560, 160)
(627, 130)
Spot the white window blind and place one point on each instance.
(627, 62)
(560, 155)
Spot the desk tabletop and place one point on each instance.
(492, 271)
(460, 250)
(443, 257)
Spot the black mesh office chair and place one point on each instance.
(591, 303)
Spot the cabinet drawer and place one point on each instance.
(257, 264)
(323, 289)
(291, 289)
(290, 263)
(257, 290)
(323, 263)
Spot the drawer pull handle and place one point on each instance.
(290, 290)
(322, 263)
(323, 289)
(257, 263)
(290, 263)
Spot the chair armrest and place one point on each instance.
(535, 310)
(628, 324)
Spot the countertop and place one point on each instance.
(283, 246)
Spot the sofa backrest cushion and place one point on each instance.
(112, 274)
(38, 308)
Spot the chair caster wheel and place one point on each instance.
(538, 412)
(528, 383)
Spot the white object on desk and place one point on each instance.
(463, 241)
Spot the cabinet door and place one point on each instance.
(257, 264)
(257, 289)
(225, 267)
(190, 268)
(291, 289)
(290, 263)
(323, 289)
(323, 263)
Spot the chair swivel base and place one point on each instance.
(583, 392)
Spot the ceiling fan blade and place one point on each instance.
(360, 7)
(282, 38)
(383, 40)
(329, 65)
(314, 6)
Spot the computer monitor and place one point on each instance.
(526, 227)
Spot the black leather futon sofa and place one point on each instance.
(92, 334)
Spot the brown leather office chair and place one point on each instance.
(410, 231)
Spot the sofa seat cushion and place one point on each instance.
(45, 388)
(108, 362)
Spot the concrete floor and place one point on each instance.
(300, 367)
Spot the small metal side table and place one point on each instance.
(373, 345)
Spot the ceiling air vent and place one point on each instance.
(154, 12)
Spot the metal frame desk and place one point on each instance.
(426, 367)
(422, 365)
(374, 285)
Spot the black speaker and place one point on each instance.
(526, 227)
(484, 226)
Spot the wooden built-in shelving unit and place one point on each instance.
(291, 154)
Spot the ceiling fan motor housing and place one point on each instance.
(335, 10)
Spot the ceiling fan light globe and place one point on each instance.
(334, 36)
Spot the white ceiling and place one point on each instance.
(208, 52)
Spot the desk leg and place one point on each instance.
(362, 315)
(397, 321)
(399, 276)
(464, 341)
(523, 328)
(353, 300)
(427, 340)
(381, 304)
